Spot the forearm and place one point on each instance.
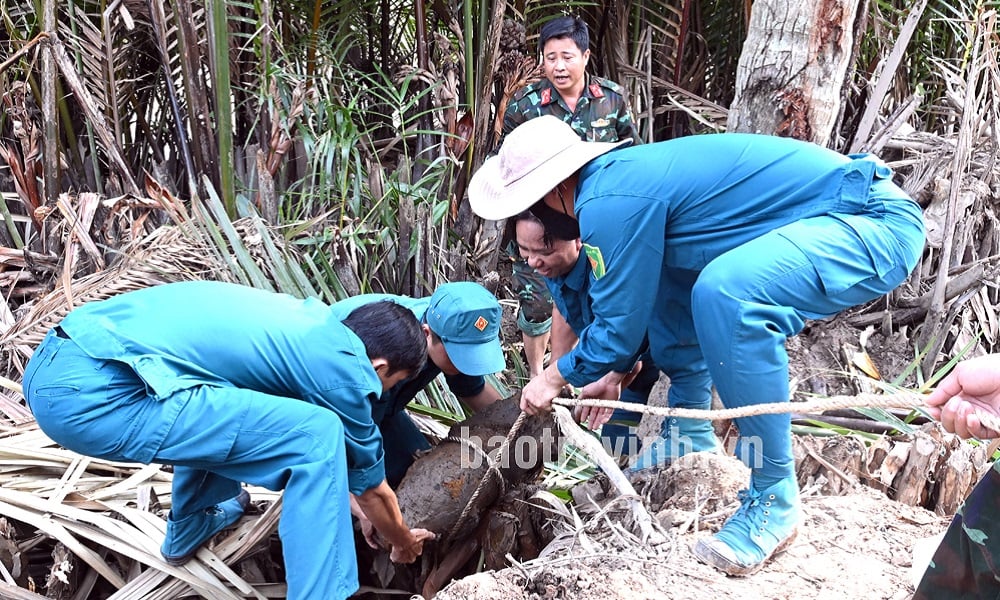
(562, 339)
(484, 398)
(356, 508)
(380, 506)
(553, 378)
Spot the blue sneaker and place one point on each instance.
(764, 525)
(677, 438)
(185, 536)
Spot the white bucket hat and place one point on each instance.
(536, 157)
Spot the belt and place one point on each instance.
(60, 333)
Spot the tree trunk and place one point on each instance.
(792, 68)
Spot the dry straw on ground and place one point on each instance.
(85, 528)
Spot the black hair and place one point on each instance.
(548, 236)
(527, 215)
(558, 225)
(573, 28)
(391, 331)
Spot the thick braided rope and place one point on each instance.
(894, 400)
(492, 470)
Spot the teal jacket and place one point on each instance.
(681, 203)
(182, 335)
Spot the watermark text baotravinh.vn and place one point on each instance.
(528, 452)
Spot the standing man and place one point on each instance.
(594, 107)
(756, 233)
(597, 111)
(233, 384)
(460, 322)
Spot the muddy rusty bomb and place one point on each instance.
(477, 500)
(441, 483)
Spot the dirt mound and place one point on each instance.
(859, 545)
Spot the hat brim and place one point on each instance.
(491, 199)
(476, 359)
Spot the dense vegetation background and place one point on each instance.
(350, 128)
(324, 147)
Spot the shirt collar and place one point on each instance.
(576, 279)
(591, 89)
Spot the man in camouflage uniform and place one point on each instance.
(596, 109)
(965, 565)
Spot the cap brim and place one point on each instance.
(491, 199)
(476, 359)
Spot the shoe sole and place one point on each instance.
(179, 561)
(709, 556)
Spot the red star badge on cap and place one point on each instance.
(481, 324)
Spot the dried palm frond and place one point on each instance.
(167, 255)
(96, 526)
(110, 518)
(204, 246)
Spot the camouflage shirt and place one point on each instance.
(601, 114)
(966, 565)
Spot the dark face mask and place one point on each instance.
(559, 225)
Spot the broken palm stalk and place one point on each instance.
(589, 445)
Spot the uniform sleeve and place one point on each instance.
(625, 123)
(512, 117)
(624, 283)
(465, 386)
(626, 128)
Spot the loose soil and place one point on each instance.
(857, 545)
(860, 545)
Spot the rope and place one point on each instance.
(895, 400)
(473, 446)
(908, 400)
(493, 469)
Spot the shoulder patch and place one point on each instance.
(596, 260)
(595, 90)
(608, 84)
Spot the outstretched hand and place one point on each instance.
(972, 387)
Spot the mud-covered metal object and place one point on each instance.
(438, 486)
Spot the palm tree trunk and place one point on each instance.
(792, 69)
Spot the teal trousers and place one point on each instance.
(221, 436)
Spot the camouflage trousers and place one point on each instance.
(534, 315)
(965, 564)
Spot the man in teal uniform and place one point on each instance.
(461, 325)
(232, 384)
(690, 383)
(596, 109)
(554, 252)
(768, 232)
